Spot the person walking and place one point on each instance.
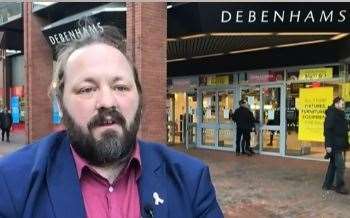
(6, 123)
(336, 142)
(245, 121)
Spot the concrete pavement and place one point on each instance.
(267, 186)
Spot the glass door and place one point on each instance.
(191, 119)
(252, 95)
(225, 131)
(272, 129)
(216, 126)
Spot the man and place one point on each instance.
(97, 167)
(336, 142)
(244, 119)
(6, 124)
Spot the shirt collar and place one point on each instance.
(134, 162)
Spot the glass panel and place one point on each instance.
(192, 118)
(226, 99)
(170, 104)
(10, 11)
(192, 136)
(39, 5)
(209, 107)
(180, 116)
(271, 140)
(271, 110)
(208, 137)
(294, 146)
(226, 138)
(252, 96)
(271, 104)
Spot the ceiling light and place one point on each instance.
(193, 36)
(339, 36)
(174, 60)
(250, 50)
(171, 39)
(242, 34)
(299, 43)
(206, 56)
(306, 33)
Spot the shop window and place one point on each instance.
(299, 113)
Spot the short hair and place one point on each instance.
(337, 99)
(243, 101)
(110, 36)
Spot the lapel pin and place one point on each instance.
(157, 199)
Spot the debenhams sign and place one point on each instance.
(74, 34)
(284, 16)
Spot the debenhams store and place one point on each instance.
(288, 60)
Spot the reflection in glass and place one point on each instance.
(271, 140)
(271, 104)
(226, 138)
(10, 11)
(209, 107)
(225, 106)
(208, 137)
(192, 118)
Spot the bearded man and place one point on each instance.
(97, 167)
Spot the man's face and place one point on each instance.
(101, 104)
(340, 105)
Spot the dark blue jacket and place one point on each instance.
(335, 129)
(40, 180)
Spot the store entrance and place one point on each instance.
(182, 118)
(216, 127)
(268, 109)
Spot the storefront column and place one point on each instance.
(3, 86)
(146, 45)
(38, 65)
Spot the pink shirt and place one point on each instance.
(105, 200)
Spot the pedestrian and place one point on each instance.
(245, 122)
(6, 124)
(336, 142)
(97, 167)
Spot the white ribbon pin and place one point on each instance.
(157, 199)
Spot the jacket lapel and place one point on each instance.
(152, 184)
(63, 183)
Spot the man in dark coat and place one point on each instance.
(244, 119)
(6, 123)
(336, 142)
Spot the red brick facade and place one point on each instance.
(146, 39)
(38, 67)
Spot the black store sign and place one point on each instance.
(275, 17)
(193, 18)
(72, 30)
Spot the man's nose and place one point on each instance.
(105, 98)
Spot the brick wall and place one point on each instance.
(38, 65)
(146, 45)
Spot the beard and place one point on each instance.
(112, 147)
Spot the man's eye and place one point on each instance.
(86, 90)
(121, 88)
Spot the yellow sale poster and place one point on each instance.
(313, 103)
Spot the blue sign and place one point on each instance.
(15, 109)
(56, 118)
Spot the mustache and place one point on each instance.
(107, 115)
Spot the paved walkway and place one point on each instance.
(262, 186)
(266, 186)
(17, 140)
